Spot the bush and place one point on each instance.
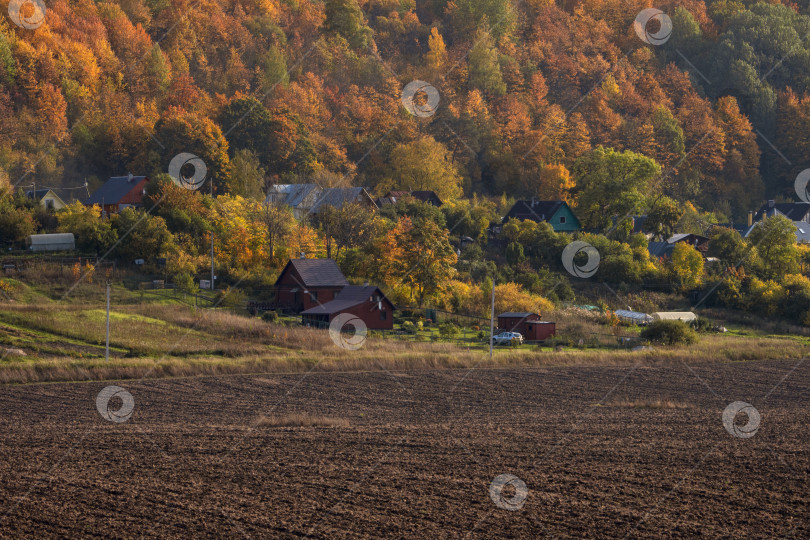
(669, 333)
(448, 330)
(270, 316)
(408, 327)
(704, 326)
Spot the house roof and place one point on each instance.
(534, 210)
(38, 194)
(516, 314)
(538, 211)
(348, 297)
(675, 238)
(660, 249)
(317, 272)
(426, 196)
(794, 211)
(337, 197)
(292, 194)
(114, 189)
(802, 232)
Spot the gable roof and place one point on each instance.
(660, 249)
(114, 189)
(675, 238)
(538, 211)
(802, 232)
(349, 296)
(337, 197)
(294, 195)
(38, 194)
(794, 211)
(515, 314)
(316, 272)
(533, 210)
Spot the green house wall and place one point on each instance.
(571, 221)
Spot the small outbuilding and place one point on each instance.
(51, 242)
(683, 316)
(526, 324)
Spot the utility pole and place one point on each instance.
(492, 322)
(107, 348)
(212, 261)
(212, 242)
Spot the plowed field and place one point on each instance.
(603, 452)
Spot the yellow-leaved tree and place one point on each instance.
(686, 266)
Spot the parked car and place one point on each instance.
(506, 338)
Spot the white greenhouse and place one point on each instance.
(51, 242)
(683, 316)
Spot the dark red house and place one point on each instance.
(366, 302)
(527, 324)
(119, 192)
(306, 283)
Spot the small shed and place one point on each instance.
(527, 324)
(51, 242)
(683, 316)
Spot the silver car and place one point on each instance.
(506, 338)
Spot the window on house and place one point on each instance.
(383, 315)
(562, 219)
(314, 296)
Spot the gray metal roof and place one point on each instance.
(802, 232)
(337, 197)
(660, 249)
(113, 190)
(515, 314)
(295, 195)
(350, 296)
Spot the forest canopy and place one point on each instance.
(278, 91)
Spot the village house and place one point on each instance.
(794, 211)
(797, 212)
(306, 283)
(118, 193)
(664, 249)
(556, 213)
(46, 198)
(309, 199)
(366, 302)
(425, 196)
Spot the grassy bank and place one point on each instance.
(155, 337)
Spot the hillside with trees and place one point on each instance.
(535, 99)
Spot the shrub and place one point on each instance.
(669, 333)
(448, 330)
(270, 316)
(408, 327)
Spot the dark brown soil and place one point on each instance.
(418, 456)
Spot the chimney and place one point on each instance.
(130, 177)
(302, 255)
(750, 218)
(365, 284)
(771, 203)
